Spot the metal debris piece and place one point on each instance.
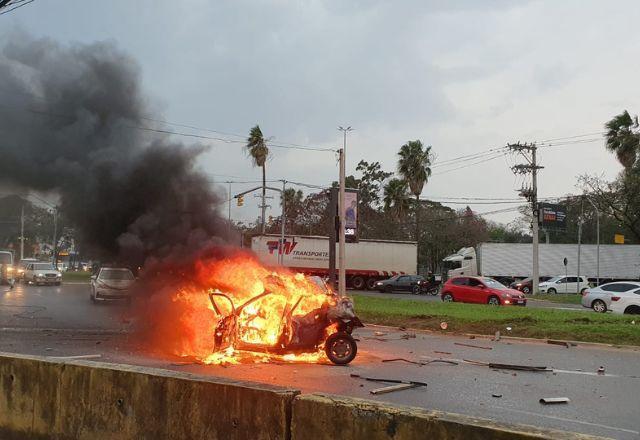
(554, 400)
(83, 356)
(601, 370)
(379, 333)
(392, 388)
(473, 346)
(564, 343)
(376, 379)
(402, 360)
(408, 336)
(497, 336)
(496, 395)
(441, 352)
(444, 361)
(518, 367)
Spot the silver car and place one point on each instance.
(599, 298)
(111, 283)
(41, 272)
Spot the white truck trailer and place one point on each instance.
(512, 261)
(367, 261)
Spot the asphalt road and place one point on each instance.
(531, 302)
(61, 321)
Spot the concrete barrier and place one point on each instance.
(45, 399)
(42, 398)
(327, 417)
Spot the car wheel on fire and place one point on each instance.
(341, 348)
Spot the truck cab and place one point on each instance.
(462, 262)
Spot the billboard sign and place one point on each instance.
(350, 215)
(552, 216)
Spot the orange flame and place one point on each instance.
(261, 322)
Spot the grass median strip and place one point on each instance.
(524, 321)
(561, 298)
(76, 276)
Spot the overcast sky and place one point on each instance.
(462, 76)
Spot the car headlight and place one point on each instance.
(379, 283)
(39, 274)
(9, 269)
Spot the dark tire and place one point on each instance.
(447, 297)
(340, 348)
(526, 290)
(632, 310)
(552, 291)
(493, 301)
(357, 283)
(416, 290)
(388, 288)
(371, 283)
(599, 306)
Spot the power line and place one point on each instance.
(471, 164)
(18, 4)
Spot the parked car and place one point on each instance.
(564, 284)
(111, 283)
(401, 283)
(481, 290)
(22, 266)
(626, 302)
(599, 298)
(7, 271)
(40, 272)
(525, 285)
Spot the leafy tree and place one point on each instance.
(293, 207)
(414, 165)
(396, 200)
(623, 138)
(259, 152)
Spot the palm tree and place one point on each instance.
(623, 138)
(258, 150)
(414, 166)
(395, 198)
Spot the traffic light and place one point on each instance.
(240, 201)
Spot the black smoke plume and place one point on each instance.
(72, 122)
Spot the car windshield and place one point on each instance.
(5, 258)
(553, 280)
(116, 274)
(490, 282)
(43, 266)
(525, 281)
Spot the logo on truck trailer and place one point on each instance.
(288, 247)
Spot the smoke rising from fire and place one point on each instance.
(70, 124)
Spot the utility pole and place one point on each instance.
(335, 224)
(22, 233)
(597, 240)
(55, 237)
(579, 242)
(528, 151)
(283, 220)
(229, 219)
(342, 276)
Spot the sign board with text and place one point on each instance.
(552, 216)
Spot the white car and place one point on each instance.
(41, 272)
(599, 298)
(564, 284)
(626, 302)
(111, 283)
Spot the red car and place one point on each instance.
(481, 290)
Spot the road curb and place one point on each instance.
(513, 338)
(63, 330)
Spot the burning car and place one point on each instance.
(276, 324)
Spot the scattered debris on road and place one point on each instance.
(82, 356)
(518, 367)
(473, 346)
(379, 333)
(421, 363)
(497, 336)
(601, 370)
(392, 388)
(554, 400)
(496, 395)
(441, 352)
(402, 360)
(444, 325)
(396, 381)
(563, 343)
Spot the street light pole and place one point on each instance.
(22, 233)
(283, 219)
(342, 277)
(55, 237)
(597, 240)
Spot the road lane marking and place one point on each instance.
(562, 419)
